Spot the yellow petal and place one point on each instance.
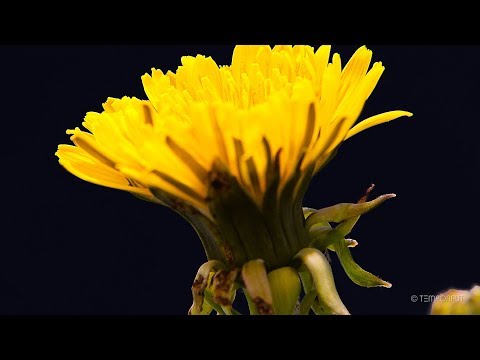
(376, 120)
(81, 164)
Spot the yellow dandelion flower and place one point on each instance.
(232, 148)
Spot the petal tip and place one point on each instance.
(388, 196)
(386, 284)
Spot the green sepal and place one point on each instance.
(212, 304)
(254, 276)
(340, 212)
(224, 288)
(307, 302)
(358, 275)
(320, 309)
(338, 233)
(351, 243)
(285, 287)
(206, 308)
(309, 288)
(228, 309)
(200, 284)
(307, 211)
(317, 235)
(335, 238)
(306, 279)
(321, 272)
(320, 239)
(322, 236)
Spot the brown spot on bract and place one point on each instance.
(198, 281)
(222, 300)
(179, 205)
(228, 254)
(263, 307)
(221, 280)
(223, 284)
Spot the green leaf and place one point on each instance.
(354, 271)
(340, 212)
(321, 272)
(285, 287)
(257, 285)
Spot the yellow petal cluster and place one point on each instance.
(296, 104)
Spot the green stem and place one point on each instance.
(321, 272)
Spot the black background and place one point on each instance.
(70, 247)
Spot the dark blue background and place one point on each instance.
(70, 247)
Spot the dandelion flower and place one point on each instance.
(232, 149)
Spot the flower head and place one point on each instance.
(286, 104)
(232, 149)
